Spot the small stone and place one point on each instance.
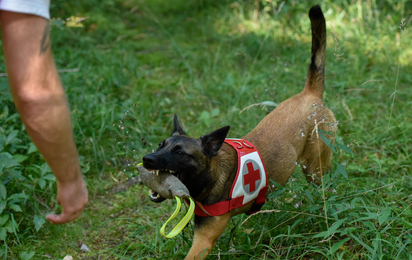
(84, 248)
(68, 257)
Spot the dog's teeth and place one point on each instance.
(154, 172)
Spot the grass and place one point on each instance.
(140, 62)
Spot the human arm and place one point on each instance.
(41, 101)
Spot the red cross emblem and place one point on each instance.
(251, 177)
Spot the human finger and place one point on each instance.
(63, 218)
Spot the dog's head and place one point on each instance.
(187, 158)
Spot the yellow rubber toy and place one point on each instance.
(179, 227)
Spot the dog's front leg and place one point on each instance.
(207, 231)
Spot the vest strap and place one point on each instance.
(242, 148)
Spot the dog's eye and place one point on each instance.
(179, 153)
(161, 144)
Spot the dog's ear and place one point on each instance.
(212, 142)
(177, 129)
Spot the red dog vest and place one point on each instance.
(250, 182)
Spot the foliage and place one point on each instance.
(20, 179)
(134, 64)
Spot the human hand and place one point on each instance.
(73, 197)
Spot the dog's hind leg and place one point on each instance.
(316, 156)
(207, 231)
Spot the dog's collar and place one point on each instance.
(250, 182)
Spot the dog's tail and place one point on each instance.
(316, 74)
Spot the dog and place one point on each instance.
(286, 137)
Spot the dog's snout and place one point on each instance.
(149, 160)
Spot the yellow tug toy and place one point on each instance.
(168, 186)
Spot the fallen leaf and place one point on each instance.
(75, 21)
